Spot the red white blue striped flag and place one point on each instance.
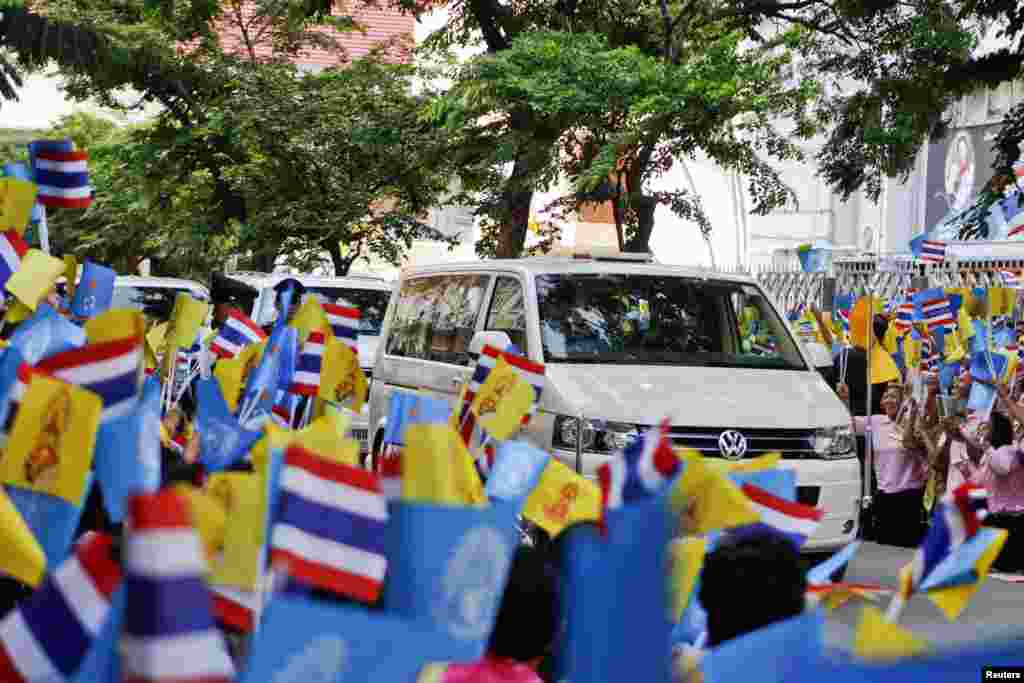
(344, 322)
(12, 250)
(112, 370)
(330, 526)
(532, 372)
(63, 179)
(47, 637)
(237, 332)
(932, 251)
(306, 380)
(645, 467)
(795, 521)
(168, 633)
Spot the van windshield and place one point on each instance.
(156, 303)
(661, 320)
(372, 304)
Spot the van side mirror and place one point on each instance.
(821, 356)
(499, 340)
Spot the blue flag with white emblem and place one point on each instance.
(95, 291)
(222, 440)
(517, 469)
(447, 568)
(46, 334)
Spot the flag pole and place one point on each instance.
(869, 451)
(44, 230)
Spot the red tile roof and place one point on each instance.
(382, 25)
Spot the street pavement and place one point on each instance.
(997, 609)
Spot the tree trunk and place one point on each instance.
(516, 201)
(642, 204)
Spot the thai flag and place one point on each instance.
(344, 323)
(237, 332)
(306, 380)
(795, 521)
(1018, 173)
(331, 526)
(284, 408)
(930, 356)
(12, 250)
(47, 637)
(935, 309)
(645, 467)
(956, 519)
(112, 370)
(63, 179)
(472, 434)
(933, 251)
(904, 317)
(234, 607)
(168, 632)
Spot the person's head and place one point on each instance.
(527, 618)
(297, 292)
(1000, 430)
(891, 400)
(749, 581)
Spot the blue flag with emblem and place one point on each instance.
(517, 468)
(447, 568)
(95, 291)
(262, 384)
(222, 440)
(776, 652)
(46, 334)
(304, 641)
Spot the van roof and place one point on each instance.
(267, 280)
(543, 265)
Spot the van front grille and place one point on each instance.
(794, 444)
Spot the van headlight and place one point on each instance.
(597, 436)
(834, 443)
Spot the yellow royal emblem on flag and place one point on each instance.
(561, 498)
(51, 444)
(502, 402)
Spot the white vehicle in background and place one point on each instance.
(154, 296)
(627, 342)
(367, 293)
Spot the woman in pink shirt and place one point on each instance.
(1002, 473)
(898, 507)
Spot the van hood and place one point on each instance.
(694, 396)
(367, 350)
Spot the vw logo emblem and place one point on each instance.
(732, 445)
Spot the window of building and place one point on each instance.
(508, 311)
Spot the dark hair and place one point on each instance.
(749, 581)
(1001, 432)
(526, 620)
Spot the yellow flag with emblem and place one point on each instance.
(706, 500)
(51, 444)
(341, 377)
(186, 319)
(240, 494)
(35, 278)
(209, 517)
(503, 401)
(562, 498)
(437, 468)
(879, 639)
(23, 558)
(17, 197)
(309, 317)
(116, 323)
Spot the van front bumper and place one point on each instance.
(833, 486)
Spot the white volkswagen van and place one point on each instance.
(367, 293)
(626, 343)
